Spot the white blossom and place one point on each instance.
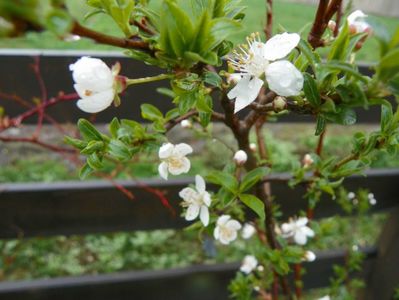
(248, 264)
(372, 199)
(186, 124)
(226, 229)
(253, 147)
(357, 23)
(307, 160)
(351, 195)
(240, 157)
(94, 83)
(197, 201)
(174, 160)
(297, 230)
(247, 231)
(258, 59)
(309, 256)
(325, 298)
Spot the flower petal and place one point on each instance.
(302, 221)
(183, 149)
(97, 102)
(199, 184)
(92, 73)
(187, 194)
(192, 212)
(307, 231)
(166, 150)
(300, 238)
(233, 224)
(284, 78)
(163, 170)
(206, 198)
(216, 233)
(223, 219)
(280, 45)
(204, 215)
(245, 92)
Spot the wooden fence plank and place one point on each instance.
(43, 209)
(195, 282)
(17, 78)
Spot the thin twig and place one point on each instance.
(269, 19)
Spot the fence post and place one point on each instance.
(384, 276)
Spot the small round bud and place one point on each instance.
(240, 157)
(309, 256)
(256, 288)
(260, 268)
(355, 248)
(186, 124)
(332, 25)
(307, 161)
(248, 231)
(351, 195)
(279, 103)
(253, 147)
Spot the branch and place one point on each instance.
(318, 28)
(173, 122)
(108, 39)
(38, 142)
(269, 19)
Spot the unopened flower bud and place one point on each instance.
(351, 195)
(309, 256)
(260, 268)
(253, 147)
(332, 25)
(279, 103)
(186, 124)
(256, 288)
(240, 157)
(307, 161)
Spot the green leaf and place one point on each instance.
(88, 131)
(213, 79)
(224, 179)
(119, 150)
(340, 45)
(386, 116)
(311, 91)
(85, 171)
(113, 127)
(75, 142)
(255, 204)
(93, 146)
(320, 125)
(389, 65)
(312, 57)
(186, 102)
(95, 162)
(150, 112)
(204, 103)
(252, 177)
(59, 22)
(346, 68)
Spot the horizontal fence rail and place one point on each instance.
(45, 209)
(16, 77)
(195, 282)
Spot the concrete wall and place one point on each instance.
(377, 7)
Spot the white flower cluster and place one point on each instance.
(371, 198)
(297, 230)
(258, 59)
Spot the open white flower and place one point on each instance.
(94, 83)
(247, 231)
(260, 58)
(357, 23)
(297, 230)
(174, 160)
(197, 201)
(248, 264)
(226, 229)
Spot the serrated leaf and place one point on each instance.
(224, 179)
(113, 127)
(85, 171)
(213, 79)
(252, 177)
(95, 162)
(320, 125)
(255, 204)
(150, 112)
(311, 91)
(119, 150)
(88, 131)
(75, 142)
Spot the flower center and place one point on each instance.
(88, 93)
(175, 162)
(226, 232)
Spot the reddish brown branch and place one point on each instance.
(108, 39)
(317, 30)
(269, 19)
(38, 142)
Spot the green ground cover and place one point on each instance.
(288, 16)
